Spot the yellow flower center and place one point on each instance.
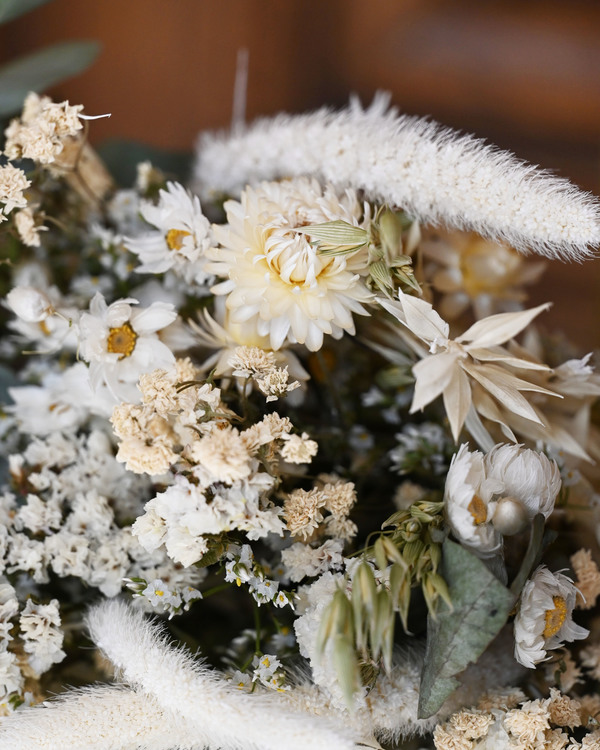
(158, 592)
(121, 340)
(175, 238)
(478, 510)
(555, 617)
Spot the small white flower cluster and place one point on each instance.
(253, 363)
(11, 677)
(162, 596)
(42, 130)
(266, 671)
(13, 183)
(303, 510)
(499, 493)
(426, 443)
(41, 635)
(223, 476)
(241, 567)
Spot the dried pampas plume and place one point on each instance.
(435, 174)
(173, 701)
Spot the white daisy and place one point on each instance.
(277, 280)
(544, 620)
(120, 342)
(529, 477)
(470, 504)
(182, 239)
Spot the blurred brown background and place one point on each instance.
(523, 74)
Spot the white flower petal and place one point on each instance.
(497, 329)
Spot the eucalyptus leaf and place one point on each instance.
(10, 9)
(39, 70)
(481, 605)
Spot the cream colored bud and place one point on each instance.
(510, 516)
(29, 304)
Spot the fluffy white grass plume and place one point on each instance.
(100, 718)
(432, 172)
(221, 716)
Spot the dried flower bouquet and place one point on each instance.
(300, 412)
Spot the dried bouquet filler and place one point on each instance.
(289, 460)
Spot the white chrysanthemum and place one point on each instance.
(182, 239)
(120, 342)
(544, 620)
(276, 278)
(528, 476)
(469, 503)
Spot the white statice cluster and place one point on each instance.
(259, 366)
(222, 477)
(180, 240)
(276, 279)
(42, 130)
(13, 183)
(499, 493)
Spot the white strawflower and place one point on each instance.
(544, 619)
(277, 279)
(182, 239)
(528, 476)
(433, 173)
(470, 504)
(120, 342)
(29, 304)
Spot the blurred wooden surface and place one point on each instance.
(525, 75)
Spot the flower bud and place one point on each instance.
(510, 516)
(29, 304)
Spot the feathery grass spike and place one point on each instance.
(433, 173)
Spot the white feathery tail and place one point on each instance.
(434, 173)
(221, 715)
(99, 718)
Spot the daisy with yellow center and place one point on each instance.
(120, 341)
(544, 619)
(179, 240)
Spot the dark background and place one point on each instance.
(525, 75)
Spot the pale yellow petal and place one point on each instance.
(497, 329)
(432, 375)
(457, 401)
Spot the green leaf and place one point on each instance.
(122, 157)
(10, 9)
(481, 605)
(39, 70)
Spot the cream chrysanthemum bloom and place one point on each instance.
(277, 279)
(544, 620)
